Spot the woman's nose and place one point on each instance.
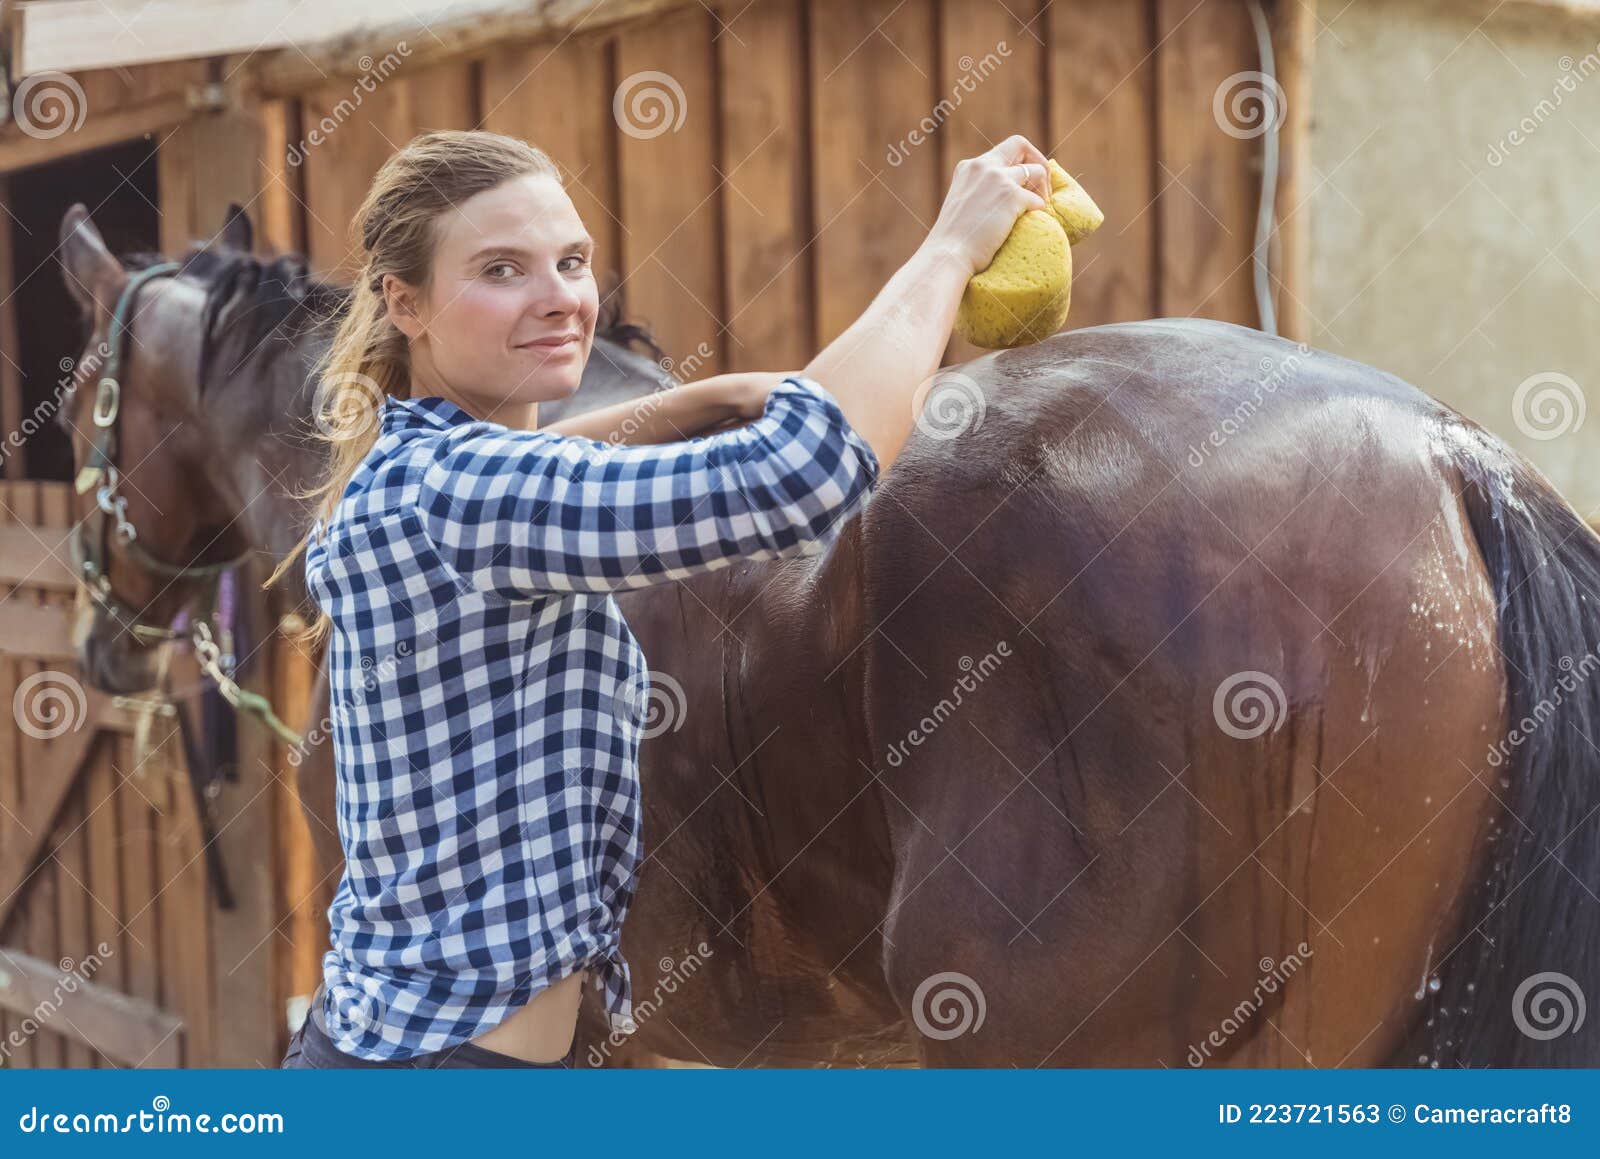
(555, 295)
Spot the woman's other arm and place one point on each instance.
(675, 414)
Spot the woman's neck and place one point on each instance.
(426, 382)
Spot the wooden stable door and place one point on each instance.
(113, 947)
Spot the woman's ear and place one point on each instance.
(400, 299)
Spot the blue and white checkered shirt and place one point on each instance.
(488, 697)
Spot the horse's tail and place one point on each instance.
(1527, 960)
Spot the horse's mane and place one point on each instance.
(260, 306)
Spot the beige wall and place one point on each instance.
(1445, 249)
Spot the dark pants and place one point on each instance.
(311, 1049)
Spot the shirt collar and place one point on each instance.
(431, 411)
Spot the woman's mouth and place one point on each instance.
(552, 344)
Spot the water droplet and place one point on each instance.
(1433, 985)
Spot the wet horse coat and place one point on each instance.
(1146, 721)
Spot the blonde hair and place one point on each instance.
(396, 228)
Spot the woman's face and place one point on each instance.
(509, 314)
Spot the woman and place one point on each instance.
(486, 687)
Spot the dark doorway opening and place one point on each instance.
(118, 185)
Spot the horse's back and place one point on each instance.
(1195, 567)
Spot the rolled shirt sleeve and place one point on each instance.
(525, 513)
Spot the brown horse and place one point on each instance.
(1183, 697)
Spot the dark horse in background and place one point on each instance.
(1199, 699)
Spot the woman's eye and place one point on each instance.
(499, 271)
(578, 260)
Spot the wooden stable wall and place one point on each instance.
(101, 858)
(745, 239)
(768, 219)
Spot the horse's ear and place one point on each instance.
(237, 232)
(93, 275)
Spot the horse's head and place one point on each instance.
(153, 525)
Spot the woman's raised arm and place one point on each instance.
(877, 365)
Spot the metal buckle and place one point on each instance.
(107, 401)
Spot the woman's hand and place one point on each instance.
(877, 367)
(987, 195)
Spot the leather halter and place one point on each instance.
(90, 548)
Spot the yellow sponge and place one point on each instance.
(1025, 291)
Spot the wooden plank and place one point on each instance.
(990, 62)
(175, 177)
(666, 143)
(136, 851)
(1102, 93)
(39, 886)
(43, 633)
(1294, 45)
(49, 772)
(76, 1004)
(18, 150)
(872, 81)
(69, 859)
(558, 97)
(69, 35)
(766, 204)
(182, 904)
(229, 144)
(339, 169)
(1208, 185)
(72, 910)
(105, 926)
(30, 555)
(290, 71)
(279, 215)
